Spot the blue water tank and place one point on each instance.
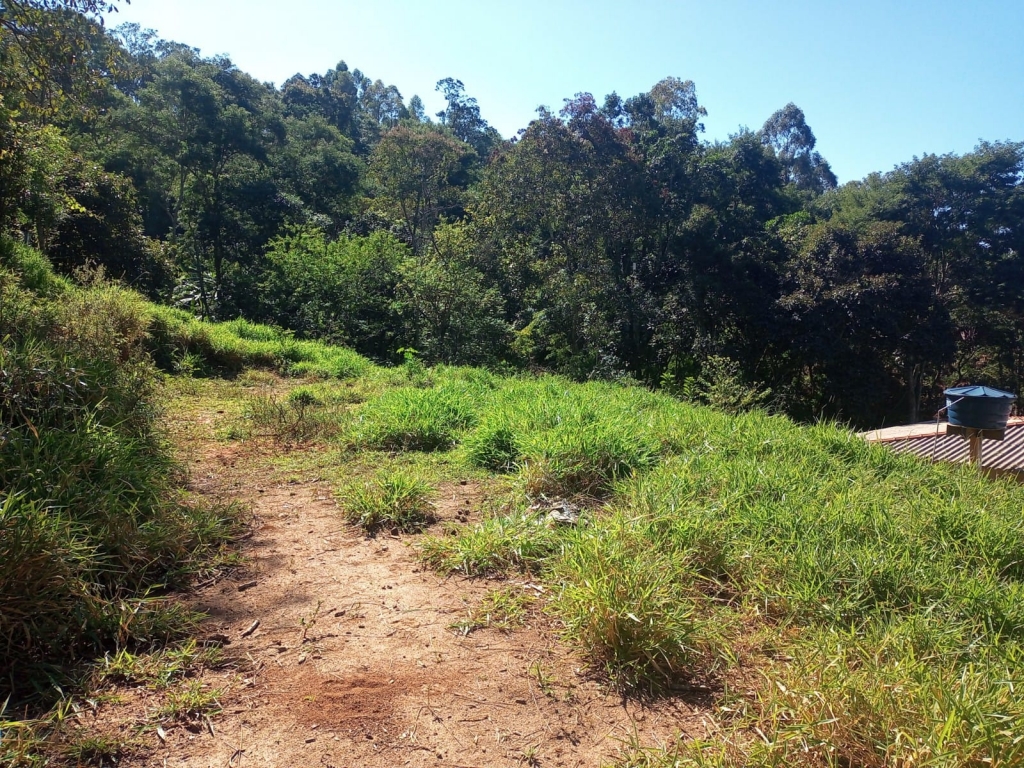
(979, 407)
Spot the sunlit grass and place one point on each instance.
(393, 501)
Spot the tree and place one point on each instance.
(462, 117)
(862, 323)
(333, 96)
(344, 290)
(420, 174)
(317, 166)
(788, 134)
(452, 315)
(197, 136)
(675, 103)
(53, 50)
(417, 111)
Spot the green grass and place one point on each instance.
(872, 604)
(174, 336)
(191, 700)
(157, 669)
(493, 547)
(567, 439)
(504, 608)
(880, 596)
(413, 419)
(392, 500)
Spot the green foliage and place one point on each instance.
(417, 419)
(230, 347)
(452, 314)
(720, 385)
(300, 418)
(192, 700)
(30, 269)
(159, 669)
(89, 523)
(420, 173)
(393, 500)
(504, 608)
(886, 590)
(343, 290)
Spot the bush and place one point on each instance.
(304, 415)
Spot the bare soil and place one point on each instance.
(354, 661)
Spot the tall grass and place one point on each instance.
(566, 439)
(414, 419)
(882, 597)
(91, 527)
(396, 501)
(230, 347)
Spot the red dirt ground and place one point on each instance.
(354, 663)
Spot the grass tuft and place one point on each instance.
(504, 608)
(412, 419)
(496, 546)
(394, 501)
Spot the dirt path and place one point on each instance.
(354, 661)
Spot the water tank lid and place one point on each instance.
(978, 391)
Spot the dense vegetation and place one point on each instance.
(607, 240)
(878, 597)
(846, 605)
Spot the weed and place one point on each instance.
(545, 680)
(158, 669)
(308, 624)
(392, 500)
(191, 700)
(89, 522)
(629, 606)
(301, 417)
(566, 441)
(93, 749)
(529, 757)
(504, 608)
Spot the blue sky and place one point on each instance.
(879, 82)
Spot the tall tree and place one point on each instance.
(421, 174)
(788, 133)
(462, 117)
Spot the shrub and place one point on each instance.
(304, 415)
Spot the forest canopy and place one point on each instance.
(608, 239)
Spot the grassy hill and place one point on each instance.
(846, 605)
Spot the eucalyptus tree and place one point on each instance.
(461, 116)
(788, 133)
